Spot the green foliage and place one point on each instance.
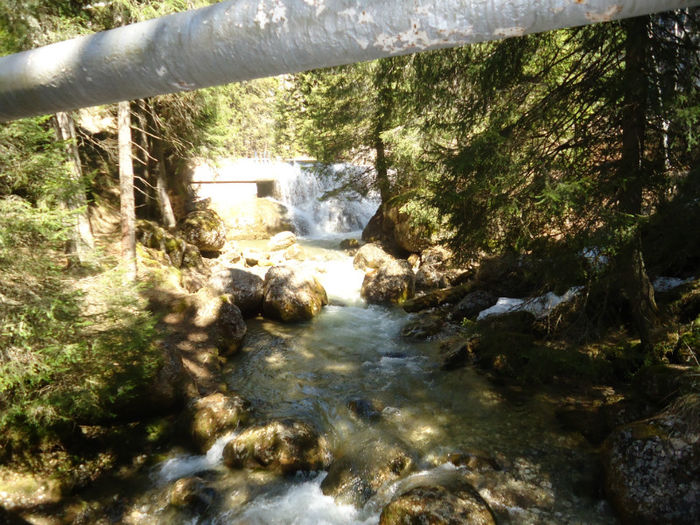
(60, 364)
(32, 162)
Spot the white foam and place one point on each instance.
(300, 504)
(186, 465)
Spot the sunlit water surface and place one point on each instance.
(311, 371)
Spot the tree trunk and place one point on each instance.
(380, 166)
(634, 280)
(164, 205)
(126, 188)
(81, 241)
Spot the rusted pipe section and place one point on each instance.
(244, 39)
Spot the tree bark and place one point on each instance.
(634, 280)
(164, 205)
(126, 189)
(81, 240)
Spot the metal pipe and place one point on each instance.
(244, 39)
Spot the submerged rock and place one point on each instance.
(356, 476)
(437, 505)
(458, 352)
(423, 327)
(216, 414)
(652, 467)
(284, 446)
(366, 409)
(292, 294)
(392, 283)
(281, 241)
(205, 229)
(191, 492)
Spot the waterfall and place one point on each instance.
(317, 209)
(309, 191)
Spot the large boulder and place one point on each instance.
(221, 318)
(292, 294)
(652, 467)
(371, 256)
(394, 228)
(283, 446)
(357, 476)
(281, 241)
(392, 283)
(205, 229)
(179, 252)
(245, 288)
(231, 327)
(437, 269)
(437, 504)
(216, 414)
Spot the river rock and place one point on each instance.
(283, 446)
(437, 298)
(437, 504)
(191, 492)
(366, 409)
(350, 245)
(205, 229)
(231, 327)
(294, 252)
(281, 241)
(423, 327)
(292, 294)
(392, 283)
(359, 473)
(216, 414)
(246, 288)
(436, 269)
(371, 257)
(220, 317)
(652, 467)
(473, 303)
(458, 352)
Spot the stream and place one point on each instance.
(353, 355)
(311, 371)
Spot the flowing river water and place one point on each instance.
(353, 353)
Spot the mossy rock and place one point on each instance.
(437, 505)
(282, 446)
(204, 229)
(178, 252)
